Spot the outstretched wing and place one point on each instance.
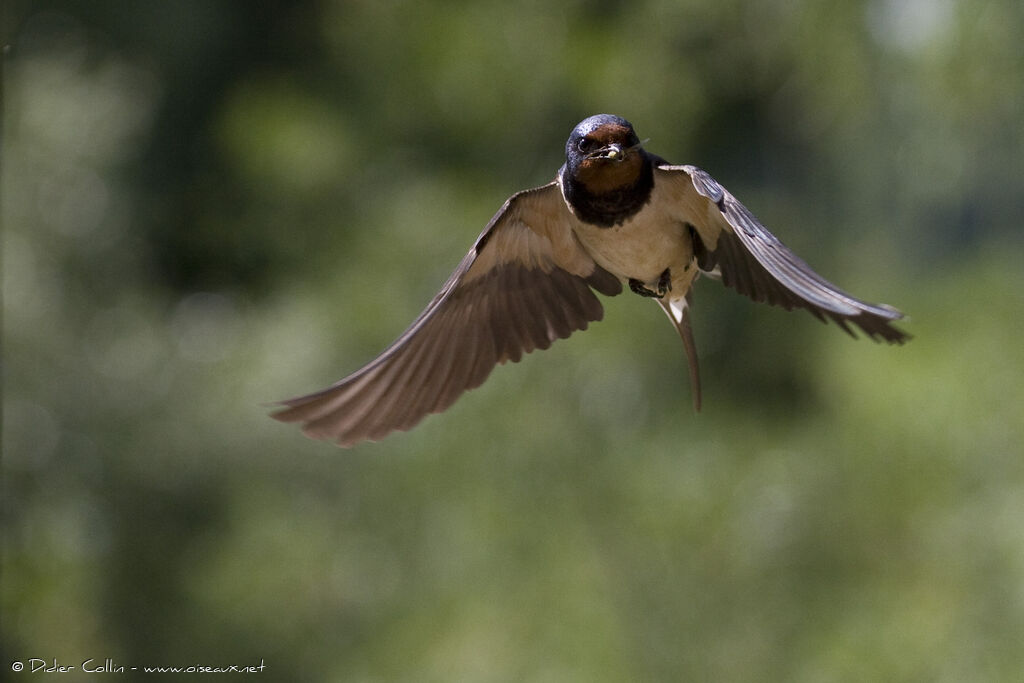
(729, 240)
(525, 283)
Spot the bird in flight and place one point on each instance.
(614, 215)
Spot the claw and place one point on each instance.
(639, 288)
(664, 283)
(664, 286)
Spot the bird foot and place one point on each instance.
(664, 286)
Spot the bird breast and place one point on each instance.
(642, 246)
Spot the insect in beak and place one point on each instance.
(616, 152)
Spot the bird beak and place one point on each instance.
(612, 152)
(616, 152)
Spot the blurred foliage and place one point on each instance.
(209, 204)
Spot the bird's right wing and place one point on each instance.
(526, 282)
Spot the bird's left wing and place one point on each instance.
(526, 282)
(730, 241)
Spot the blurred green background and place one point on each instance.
(212, 204)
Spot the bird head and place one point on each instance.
(604, 153)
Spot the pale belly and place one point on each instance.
(643, 248)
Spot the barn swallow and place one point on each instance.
(614, 215)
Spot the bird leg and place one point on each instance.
(664, 286)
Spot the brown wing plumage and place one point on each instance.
(525, 283)
(732, 242)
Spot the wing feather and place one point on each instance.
(732, 242)
(525, 283)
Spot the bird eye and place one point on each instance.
(587, 144)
